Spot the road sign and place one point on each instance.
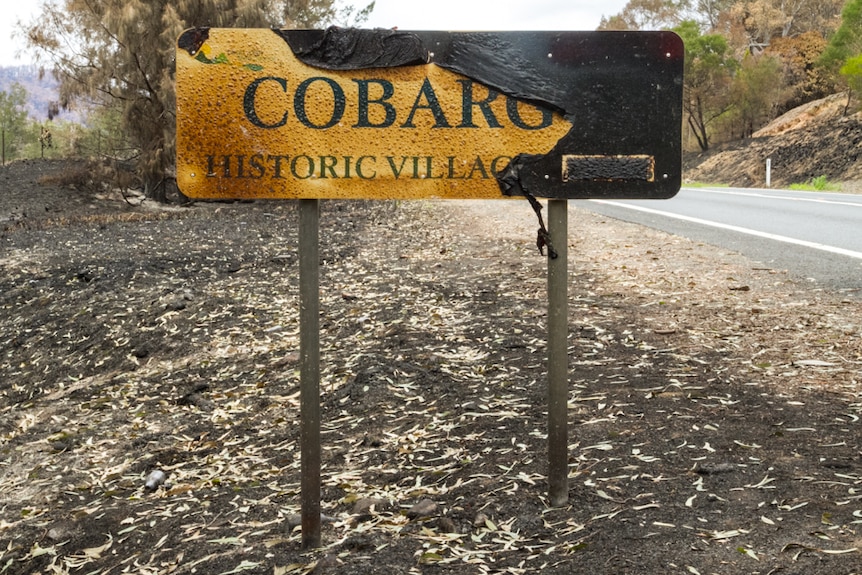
(347, 113)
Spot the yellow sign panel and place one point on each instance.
(253, 121)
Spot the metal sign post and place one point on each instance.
(309, 365)
(558, 356)
(345, 113)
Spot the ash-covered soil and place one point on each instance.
(713, 409)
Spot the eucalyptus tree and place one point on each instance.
(844, 53)
(846, 43)
(709, 71)
(13, 119)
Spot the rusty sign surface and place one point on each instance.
(348, 113)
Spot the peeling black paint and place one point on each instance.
(489, 58)
(495, 60)
(192, 39)
(510, 177)
(622, 91)
(354, 49)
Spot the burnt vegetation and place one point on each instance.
(714, 403)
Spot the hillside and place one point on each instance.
(40, 91)
(813, 140)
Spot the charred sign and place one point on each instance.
(349, 113)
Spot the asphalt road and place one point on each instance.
(814, 235)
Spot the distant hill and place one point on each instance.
(40, 91)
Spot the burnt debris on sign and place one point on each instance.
(192, 39)
(355, 48)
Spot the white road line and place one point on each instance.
(775, 197)
(775, 237)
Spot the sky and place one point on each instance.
(406, 15)
(13, 10)
(491, 14)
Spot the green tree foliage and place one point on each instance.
(13, 120)
(757, 90)
(709, 69)
(852, 71)
(119, 54)
(846, 43)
